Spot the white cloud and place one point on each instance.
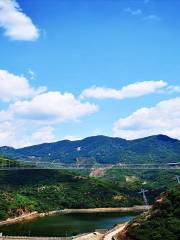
(14, 133)
(6, 133)
(32, 122)
(152, 17)
(173, 89)
(13, 87)
(45, 134)
(32, 74)
(16, 24)
(136, 89)
(164, 118)
(5, 116)
(52, 107)
(32, 114)
(133, 12)
(72, 137)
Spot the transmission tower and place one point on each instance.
(143, 192)
(178, 178)
(78, 149)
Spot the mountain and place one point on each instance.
(161, 222)
(102, 149)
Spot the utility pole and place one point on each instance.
(178, 179)
(143, 192)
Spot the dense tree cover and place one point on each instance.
(102, 149)
(9, 163)
(155, 181)
(23, 191)
(6, 162)
(161, 222)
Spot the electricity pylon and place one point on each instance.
(178, 178)
(143, 192)
(78, 149)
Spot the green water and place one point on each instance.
(66, 224)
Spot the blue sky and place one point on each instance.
(71, 69)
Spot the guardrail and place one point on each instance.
(85, 167)
(74, 166)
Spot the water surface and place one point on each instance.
(66, 224)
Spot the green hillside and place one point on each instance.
(102, 149)
(23, 191)
(162, 222)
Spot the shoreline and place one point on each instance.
(33, 215)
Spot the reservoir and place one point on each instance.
(66, 224)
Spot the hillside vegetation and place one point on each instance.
(23, 191)
(102, 149)
(161, 222)
(155, 181)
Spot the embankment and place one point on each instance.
(67, 211)
(106, 210)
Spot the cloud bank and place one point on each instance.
(52, 107)
(136, 89)
(164, 118)
(16, 24)
(133, 12)
(13, 87)
(32, 113)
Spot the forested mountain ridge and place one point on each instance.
(102, 149)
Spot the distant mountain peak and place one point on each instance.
(102, 149)
(103, 137)
(163, 137)
(7, 148)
